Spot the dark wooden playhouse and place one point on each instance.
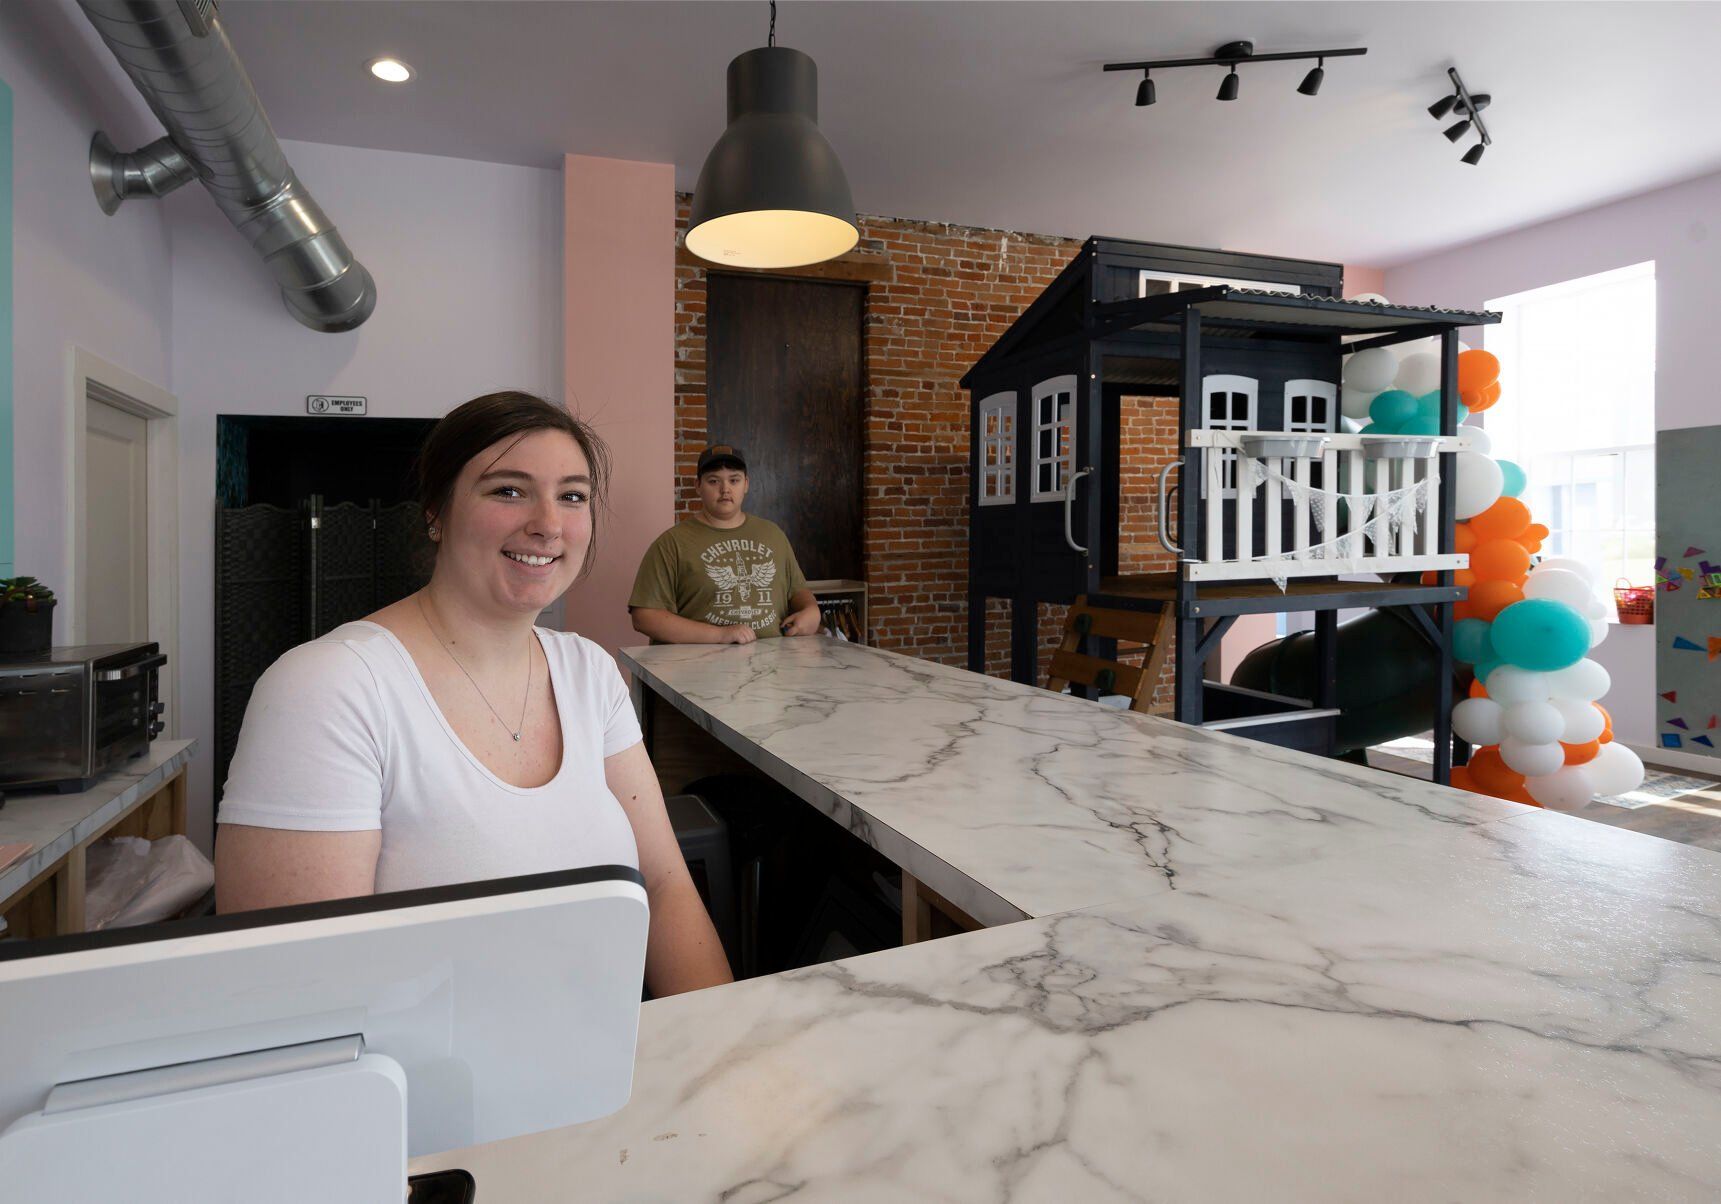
(1271, 506)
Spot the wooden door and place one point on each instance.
(784, 371)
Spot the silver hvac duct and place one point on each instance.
(178, 55)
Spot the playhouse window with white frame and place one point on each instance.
(1054, 414)
(998, 449)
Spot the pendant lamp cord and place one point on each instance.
(772, 39)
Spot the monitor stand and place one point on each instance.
(321, 1121)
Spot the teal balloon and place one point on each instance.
(1540, 634)
(1471, 643)
(1514, 478)
(1390, 410)
(1419, 424)
(1484, 668)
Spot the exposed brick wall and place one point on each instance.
(953, 291)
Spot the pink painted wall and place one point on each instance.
(1360, 280)
(618, 309)
(1679, 227)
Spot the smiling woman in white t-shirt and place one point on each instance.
(445, 738)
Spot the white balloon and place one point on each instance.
(1570, 564)
(1532, 760)
(1570, 786)
(1563, 585)
(1534, 723)
(1509, 685)
(1478, 486)
(1585, 681)
(1480, 440)
(1418, 373)
(1615, 770)
(1354, 403)
(1428, 346)
(1463, 346)
(1598, 631)
(1582, 722)
(1478, 721)
(1372, 299)
(1371, 371)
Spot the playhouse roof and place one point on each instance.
(1094, 297)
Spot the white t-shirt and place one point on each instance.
(342, 735)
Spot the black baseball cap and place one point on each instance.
(720, 455)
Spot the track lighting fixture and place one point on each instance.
(1468, 106)
(1230, 56)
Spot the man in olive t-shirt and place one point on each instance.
(722, 576)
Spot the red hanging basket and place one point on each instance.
(1636, 602)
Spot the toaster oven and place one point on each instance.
(70, 715)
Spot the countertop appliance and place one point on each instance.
(71, 714)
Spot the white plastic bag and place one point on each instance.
(130, 881)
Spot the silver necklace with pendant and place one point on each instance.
(516, 731)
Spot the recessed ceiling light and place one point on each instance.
(390, 71)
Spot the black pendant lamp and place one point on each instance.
(772, 193)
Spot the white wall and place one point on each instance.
(79, 277)
(467, 259)
(1680, 229)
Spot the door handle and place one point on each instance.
(132, 670)
(1069, 510)
(1165, 509)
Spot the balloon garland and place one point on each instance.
(1540, 733)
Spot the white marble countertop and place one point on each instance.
(54, 823)
(1447, 1001)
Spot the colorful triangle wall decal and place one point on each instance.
(1685, 645)
(1703, 740)
(1714, 646)
(1694, 551)
(1671, 695)
(1713, 719)
(1679, 723)
(1672, 740)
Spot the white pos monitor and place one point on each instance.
(305, 1053)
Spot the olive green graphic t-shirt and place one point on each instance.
(740, 577)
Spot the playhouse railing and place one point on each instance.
(1328, 505)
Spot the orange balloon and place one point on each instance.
(1532, 546)
(1499, 560)
(1463, 610)
(1464, 577)
(1478, 400)
(1489, 598)
(1505, 519)
(1536, 531)
(1492, 774)
(1477, 689)
(1461, 779)
(1520, 795)
(1606, 736)
(1577, 754)
(1477, 369)
(1463, 538)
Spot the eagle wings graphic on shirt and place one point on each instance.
(743, 583)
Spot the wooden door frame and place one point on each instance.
(87, 376)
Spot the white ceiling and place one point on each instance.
(997, 114)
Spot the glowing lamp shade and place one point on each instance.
(772, 193)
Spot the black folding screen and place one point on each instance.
(284, 576)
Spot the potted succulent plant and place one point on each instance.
(26, 615)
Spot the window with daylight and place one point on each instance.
(1230, 407)
(1577, 414)
(998, 449)
(1054, 436)
(1152, 284)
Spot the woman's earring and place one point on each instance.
(435, 533)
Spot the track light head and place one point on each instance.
(1477, 102)
(1473, 156)
(1312, 81)
(1144, 92)
(1455, 132)
(1441, 107)
(1228, 89)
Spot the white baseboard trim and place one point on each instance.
(1673, 758)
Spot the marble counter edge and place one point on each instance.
(166, 758)
(977, 899)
